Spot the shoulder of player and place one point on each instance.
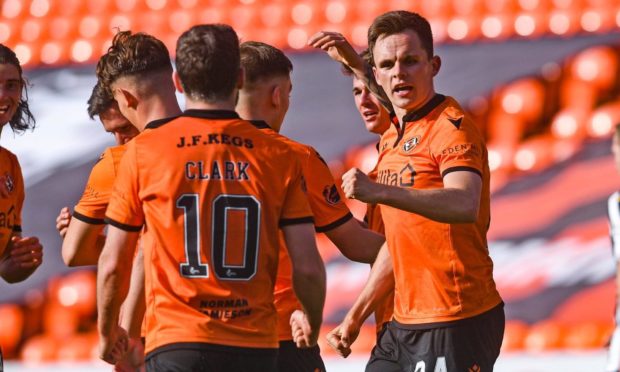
(452, 116)
(4, 152)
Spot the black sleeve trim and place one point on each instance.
(333, 225)
(459, 169)
(90, 220)
(295, 221)
(17, 228)
(122, 226)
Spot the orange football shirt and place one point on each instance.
(212, 192)
(10, 207)
(443, 271)
(94, 201)
(329, 212)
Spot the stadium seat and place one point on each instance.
(514, 335)
(603, 120)
(524, 98)
(597, 66)
(544, 336)
(586, 335)
(535, 153)
(77, 291)
(77, 348)
(39, 349)
(11, 325)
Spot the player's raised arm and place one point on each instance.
(308, 276)
(380, 284)
(340, 50)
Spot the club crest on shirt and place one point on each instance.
(411, 143)
(8, 182)
(331, 195)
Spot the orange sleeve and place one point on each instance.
(457, 148)
(21, 194)
(96, 196)
(324, 197)
(125, 208)
(295, 209)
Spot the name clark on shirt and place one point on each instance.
(217, 170)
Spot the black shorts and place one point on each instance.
(471, 344)
(293, 359)
(202, 357)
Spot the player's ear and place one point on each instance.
(129, 99)
(177, 82)
(436, 64)
(275, 95)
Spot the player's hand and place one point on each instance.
(4, 189)
(357, 185)
(133, 359)
(304, 335)
(113, 346)
(337, 47)
(24, 253)
(62, 221)
(342, 337)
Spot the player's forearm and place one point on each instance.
(112, 285)
(448, 205)
(356, 242)
(309, 287)
(378, 287)
(135, 305)
(82, 244)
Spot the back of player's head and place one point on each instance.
(262, 61)
(134, 55)
(398, 21)
(207, 62)
(100, 100)
(23, 118)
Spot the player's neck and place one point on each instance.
(191, 104)
(158, 108)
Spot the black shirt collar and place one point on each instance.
(159, 122)
(424, 110)
(260, 124)
(193, 113)
(211, 114)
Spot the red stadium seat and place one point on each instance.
(587, 335)
(11, 325)
(524, 98)
(544, 336)
(77, 348)
(597, 66)
(514, 335)
(77, 291)
(39, 349)
(534, 154)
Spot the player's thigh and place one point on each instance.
(177, 360)
(384, 356)
(253, 362)
(292, 358)
(474, 345)
(242, 360)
